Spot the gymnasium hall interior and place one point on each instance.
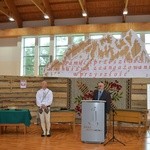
(73, 45)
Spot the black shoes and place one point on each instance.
(43, 135)
(48, 135)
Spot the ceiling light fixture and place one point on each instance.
(46, 16)
(125, 11)
(84, 14)
(11, 19)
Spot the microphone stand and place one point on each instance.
(113, 133)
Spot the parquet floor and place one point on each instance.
(63, 138)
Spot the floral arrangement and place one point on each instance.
(113, 87)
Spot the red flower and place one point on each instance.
(88, 95)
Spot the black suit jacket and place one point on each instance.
(106, 97)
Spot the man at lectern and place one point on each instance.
(102, 94)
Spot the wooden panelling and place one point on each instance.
(11, 95)
(139, 93)
(139, 86)
(76, 29)
(139, 97)
(139, 103)
(141, 81)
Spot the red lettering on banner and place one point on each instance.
(114, 61)
(115, 74)
(105, 61)
(114, 68)
(110, 61)
(54, 73)
(110, 67)
(72, 69)
(119, 67)
(95, 62)
(87, 68)
(75, 63)
(70, 63)
(105, 74)
(67, 68)
(129, 60)
(95, 68)
(63, 68)
(80, 63)
(77, 68)
(120, 74)
(100, 61)
(81, 74)
(95, 74)
(129, 67)
(100, 68)
(124, 67)
(104, 68)
(110, 73)
(120, 61)
(85, 74)
(66, 62)
(75, 74)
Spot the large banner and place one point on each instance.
(103, 58)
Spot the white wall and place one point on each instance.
(10, 56)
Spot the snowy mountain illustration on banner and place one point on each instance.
(103, 58)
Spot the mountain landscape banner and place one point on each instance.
(103, 58)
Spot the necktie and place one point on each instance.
(99, 94)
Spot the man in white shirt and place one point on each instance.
(44, 98)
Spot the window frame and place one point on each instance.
(37, 47)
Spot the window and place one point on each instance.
(96, 36)
(147, 43)
(138, 35)
(28, 56)
(148, 97)
(44, 53)
(117, 36)
(76, 39)
(36, 54)
(61, 45)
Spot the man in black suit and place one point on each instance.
(102, 94)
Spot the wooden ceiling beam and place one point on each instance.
(2, 4)
(76, 29)
(43, 6)
(84, 9)
(39, 5)
(4, 11)
(14, 13)
(124, 16)
(126, 3)
(49, 11)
